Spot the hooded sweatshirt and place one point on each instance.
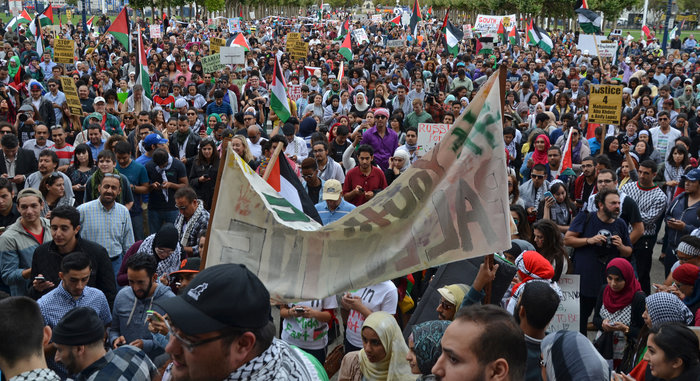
(16, 251)
(129, 317)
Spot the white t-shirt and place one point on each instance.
(307, 333)
(664, 142)
(380, 297)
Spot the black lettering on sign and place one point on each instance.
(367, 295)
(477, 214)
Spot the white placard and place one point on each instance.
(429, 135)
(232, 55)
(155, 31)
(377, 19)
(588, 42)
(360, 35)
(568, 314)
(489, 24)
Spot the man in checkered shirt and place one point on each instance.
(652, 204)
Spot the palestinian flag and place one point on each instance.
(46, 17)
(89, 23)
(396, 20)
(35, 30)
(415, 18)
(429, 13)
(341, 71)
(346, 48)
(241, 41)
(673, 32)
(120, 29)
(513, 36)
(344, 29)
(309, 70)
(142, 72)
(589, 21)
(484, 45)
(566, 167)
(502, 36)
(283, 179)
(22, 18)
(540, 37)
(453, 36)
(278, 94)
(527, 33)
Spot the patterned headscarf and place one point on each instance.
(394, 366)
(426, 343)
(664, 307)
(570, 356)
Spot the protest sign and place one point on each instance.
(360, 35)
(589, 42)
(605, 104)
(294, 92)
(429, 135)
(64, 51)
(607, 49)
(69, 15)
(292, 38)
(394, 44)
(568, 314)
(71, 92)
(377, 19)
(449, 205)
(239, 82)
(232, 55)
(52, 29)
(299, 50)
(251, 14)
(155, 31)
(212, 63)
(216, 44)
(467, 30)
(489, 24)
(234, 25)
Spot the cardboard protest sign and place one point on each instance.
(64, 51)
(216, 44)
(605, 104)
(299, 50)
(234, 55)
(394, 44)
(155, 31)
(429, 135)
(71, 92)
(294, 92)
(568, 314)
(212, 63)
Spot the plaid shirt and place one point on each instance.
(36, 375)
(198, 230)
(59, 302)
(126, 363)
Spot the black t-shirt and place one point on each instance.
(336, 151)
(313, 192)
(10, 218)
(587, 189)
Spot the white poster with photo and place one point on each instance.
(360, 35)
(489, 24)
(234, 25)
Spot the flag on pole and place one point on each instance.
(278, 94)
(415, 18)
(346, 48)
(646, 31)
(590, 21)
(513, 36)
(142, 71)
(344, 29)
(484, 45)
(22, 18)
(566, 167)
(453, 36)
(341, 71)
(89, 23)
(120, 29)
(283, 179)
(502, 35)
(429, 14)
(35, 29)
(527, 33)
(396, 20)
(46, 17)
(673, 32)
(241, 41)
(540, 37)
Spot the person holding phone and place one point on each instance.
(306, 325)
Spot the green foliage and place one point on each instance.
(611, 8)
(214, 5)
(73, 3)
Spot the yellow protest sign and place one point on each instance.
(216, 44)
(293, 37)
(605, 104)
(298, 50)
(71, 93)
(69, 15)
(64, 51)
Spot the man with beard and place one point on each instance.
(482, 343)
(79, 342)
(652, 205)
(597, 238)
(365, 180)
(131, 306)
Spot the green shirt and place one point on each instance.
(412, 119)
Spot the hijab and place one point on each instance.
(532, 265)
(402, 153)
(570, 356)
(361, 106)
(394, 366)
(540, 157)
(12, 71)
(615, 301)
(665, 307)
(615, 157)
(426, 343)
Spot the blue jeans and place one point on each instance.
(157, 218)
(137, 225)
(116, 264)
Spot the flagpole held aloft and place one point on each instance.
(273, 160)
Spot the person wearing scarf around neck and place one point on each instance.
(620, 307)
(360, 107)
(538, 155)
(383, 357)
(424, 347)
(532, 267)
(570, 356)
(163, 246)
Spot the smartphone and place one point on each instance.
(40, 279)
(548, 194)
(150, 315)
(299, 309)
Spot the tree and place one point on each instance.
(611, 8)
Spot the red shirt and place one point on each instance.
(38, 237)
(374, 182)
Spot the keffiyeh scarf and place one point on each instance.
(167, 265)
(164, 175)
(279, 362)
(189, 226)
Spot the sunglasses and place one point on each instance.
(537, 176)
(380, 117)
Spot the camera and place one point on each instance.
(608, 237)
(23, 117)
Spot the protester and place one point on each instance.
(424, 347)
(568, 355)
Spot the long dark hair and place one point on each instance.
(681, 149)
(80, 148)
(678, 342)
(553, 246)
(524, 230)
(201, 160)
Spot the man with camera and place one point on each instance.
(597, 238)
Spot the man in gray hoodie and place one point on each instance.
(129, 316)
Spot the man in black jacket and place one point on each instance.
(43, 106)
(15, 163)
(46, 262)
(184, 143)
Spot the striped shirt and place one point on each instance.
(328, 216)
(111, 228)
(65, 154)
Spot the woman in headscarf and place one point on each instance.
(688, 101)
(570, 356)
(686, 278)
(532, 267)
(13, 67)
(360, 107)
(620, 307)
(424, 347)
(537, 156)
(164, 246)
(651, 153)
(610, 149)
(397, 165)
(383, 356)
(661, 308)
(212, 120)
(332, 111)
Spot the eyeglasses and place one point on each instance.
(191, 345)
(191, 113)
(5, 131)
(248, 118)
(663, 118)
(534, 176)
(181, 207)
(446, 305)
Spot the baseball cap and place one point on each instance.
(26, 192)
(35, 86)
(95, 115)
(98, 100)
(154, 139)
(24, 108)
(180, 103)
(693, 175)
(188, 265)
(205, 305)
(454, 293)
(332, 190)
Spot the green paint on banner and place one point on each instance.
(295, 215)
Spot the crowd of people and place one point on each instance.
(104, 213)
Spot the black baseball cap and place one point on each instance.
(219, 297)
(188, 265)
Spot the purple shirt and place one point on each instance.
(383, 148)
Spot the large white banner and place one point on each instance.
(449, 205)
(489, 24)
